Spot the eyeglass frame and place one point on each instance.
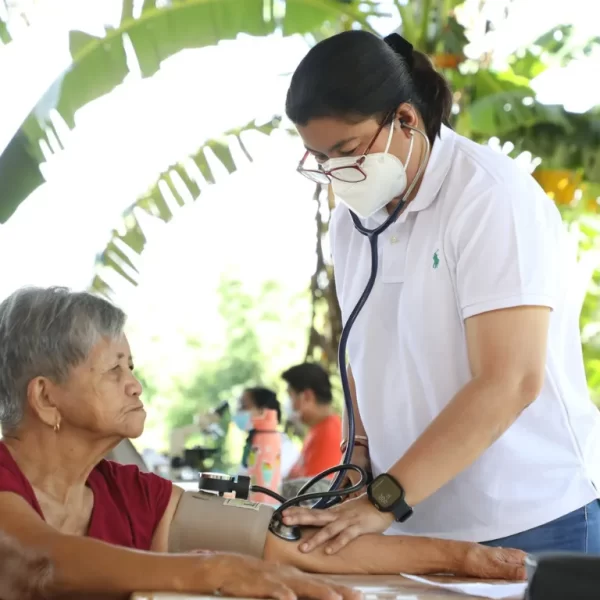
(356, 166)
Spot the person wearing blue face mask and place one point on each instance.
(465, 370)
(251, 406)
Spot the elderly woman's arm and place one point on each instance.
(86, 566)
(196, 521)
(24, 574)
(393, 554)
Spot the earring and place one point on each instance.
(57, 426)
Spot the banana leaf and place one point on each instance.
(172, 190)
(99, 64)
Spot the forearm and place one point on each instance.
(473, 420)
(87, 566)
(358, 424)
(375, 555)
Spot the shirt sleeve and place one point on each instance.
(146, 494)
(17, 484)
(10, 482)
(506, 246)
(157, 492)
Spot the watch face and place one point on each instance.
(385, 492)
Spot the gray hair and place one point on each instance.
(45, 332)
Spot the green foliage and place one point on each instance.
(17, 160)
(587, 228)
(430, 25)
(263, 333)
(192, 174)
(240, 364)
(590, 333)
(4, 35)
(502, 104)
(101, 63)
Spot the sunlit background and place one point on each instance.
(228, 275)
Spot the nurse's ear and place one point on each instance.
(407, 115)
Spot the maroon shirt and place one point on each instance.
(128, 504)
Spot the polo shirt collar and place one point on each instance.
(437, 168)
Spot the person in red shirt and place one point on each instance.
(68, 396)
(309, 390)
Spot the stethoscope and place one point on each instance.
(221, 484)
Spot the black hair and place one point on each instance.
(355, 75)
(265, 398)
(310, 376)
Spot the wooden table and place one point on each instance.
(374, 587)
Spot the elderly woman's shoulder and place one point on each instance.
(130, 481)
(12, 478)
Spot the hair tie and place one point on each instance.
(402, 47)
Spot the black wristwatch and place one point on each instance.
(387, 495)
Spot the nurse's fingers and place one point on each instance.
(309, 516)
(344, 538)
(324, 535)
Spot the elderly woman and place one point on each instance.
(68, 395)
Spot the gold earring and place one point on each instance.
(57, 426)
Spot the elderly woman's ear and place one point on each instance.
(40, 401)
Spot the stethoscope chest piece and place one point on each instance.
(281, 530)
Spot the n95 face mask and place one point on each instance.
(385, 179)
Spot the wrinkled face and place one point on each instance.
(102, 395)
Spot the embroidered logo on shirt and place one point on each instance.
(436, 260)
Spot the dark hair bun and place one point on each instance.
(401, 46)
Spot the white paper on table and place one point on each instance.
(483, 590)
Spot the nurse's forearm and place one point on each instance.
(473, 420)
(358, 424)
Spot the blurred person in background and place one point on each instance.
(311, 403)
(252, 402)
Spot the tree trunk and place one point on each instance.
(326, 320)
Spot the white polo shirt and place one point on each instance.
(481, 235)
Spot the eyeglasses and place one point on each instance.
(350, 174)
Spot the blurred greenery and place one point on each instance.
(264, 333)
(488, 104)
(242, 362)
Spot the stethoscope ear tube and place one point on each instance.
(334, 494)
(372, 235)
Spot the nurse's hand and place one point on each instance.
(340, 524)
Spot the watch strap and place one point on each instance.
(400, 509)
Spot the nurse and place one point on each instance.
(470, 396)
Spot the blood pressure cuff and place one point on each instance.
(205, 521)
